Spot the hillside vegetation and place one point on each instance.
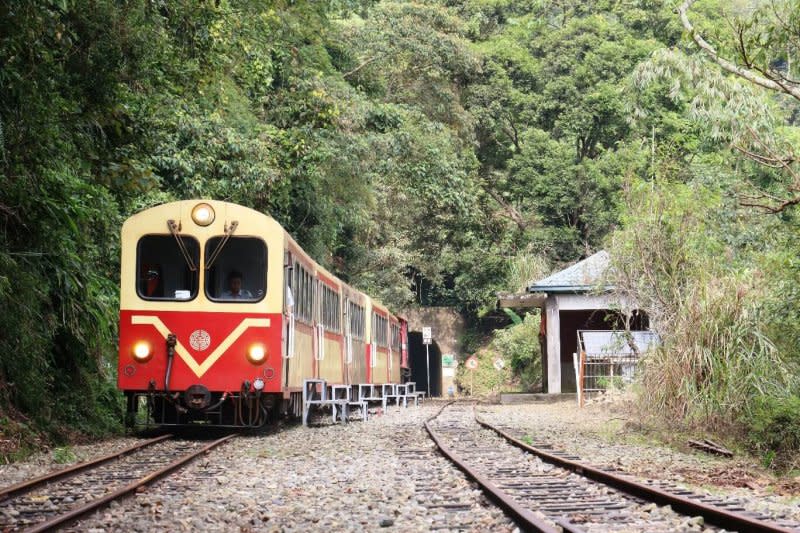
(427, 152)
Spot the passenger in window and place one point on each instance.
(235, 290)
(153, 286)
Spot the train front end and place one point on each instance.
(201, 315)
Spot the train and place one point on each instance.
(223, 317)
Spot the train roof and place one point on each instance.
(182, 210)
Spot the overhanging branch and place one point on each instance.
(731, 67)
(510, 210)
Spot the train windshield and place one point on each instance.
(239, 272)
(166, 269)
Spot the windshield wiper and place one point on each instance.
(174, 229)
(228, 232)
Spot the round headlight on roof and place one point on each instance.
(203, 214)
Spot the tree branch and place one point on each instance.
(769, 158)
(781, 205)
(767, 161)
(513, 214)
(362, 65)
(513, 134)
(745, 73)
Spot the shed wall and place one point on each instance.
(562, 328)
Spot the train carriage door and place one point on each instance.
(388, 349)
(319, 327)
(348, 341)
(369, 340)
(404, 350)
(289, 309)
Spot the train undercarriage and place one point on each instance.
(147, 409)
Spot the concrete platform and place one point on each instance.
(536, 397)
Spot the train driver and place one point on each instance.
(235, 290)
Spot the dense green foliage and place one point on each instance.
(431, 152)
(708, 244)
(518, 347)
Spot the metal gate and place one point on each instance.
(607, 359)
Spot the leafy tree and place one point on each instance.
(761, 49)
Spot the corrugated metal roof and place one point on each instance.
(583, 276)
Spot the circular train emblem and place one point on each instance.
(199, 340)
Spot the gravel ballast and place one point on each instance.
(383, 475)
(354, 477)
(596, 433)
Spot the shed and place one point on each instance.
(574, 299)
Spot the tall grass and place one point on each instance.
(717, 364)
(525, 268)
(715, 361)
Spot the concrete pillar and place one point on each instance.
(553, 345)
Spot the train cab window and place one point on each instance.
(239, 271)
(164, 271)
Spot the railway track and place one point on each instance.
(58, 498)
(548, 491)
(448, 497)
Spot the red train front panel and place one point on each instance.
(218, 350)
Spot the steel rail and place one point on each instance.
(525, 518)
(27, 486)
(73, 514)
(711, 513)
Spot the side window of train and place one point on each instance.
(303, 293)
(331, 310)
(396, 337)
(379, 333)
(357, 324)
(239, 272)
(162, 271)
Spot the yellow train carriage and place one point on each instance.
(222, 314)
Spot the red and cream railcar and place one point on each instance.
(223, 315)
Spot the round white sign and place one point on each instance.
(499, 364)
(199, 340)
(472, 363)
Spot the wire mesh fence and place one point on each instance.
(608, 359)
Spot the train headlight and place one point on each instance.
(142, 351)
(258, 384)
(257, 354)
(203, 214)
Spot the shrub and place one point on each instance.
(774, 423)
(518, 346)
(63, 455)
